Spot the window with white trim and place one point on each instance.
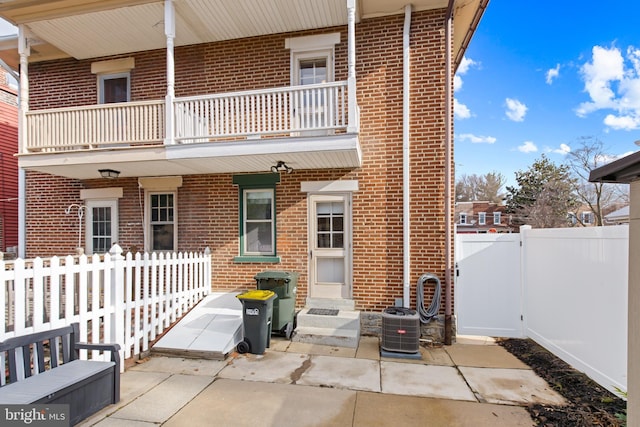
(496, 217)
(482, 218)
(258, 222)
(587, 218)
(114, 88)
(162, 223)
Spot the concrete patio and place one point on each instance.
(472, 383)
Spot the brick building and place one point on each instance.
(331, 158)
(482, 217)
(8, 167)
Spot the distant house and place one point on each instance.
(8, 167)
(620, 216)
(481, 217)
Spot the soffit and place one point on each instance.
(91, 29)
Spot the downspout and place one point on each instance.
(447, 174)
(406, 161)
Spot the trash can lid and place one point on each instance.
(258, 294)
(276, 275)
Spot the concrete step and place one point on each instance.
(342, 330)
(327, 336)
(339, 303)
(345, 319)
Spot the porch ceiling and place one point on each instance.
(90, 29)
(337, 152)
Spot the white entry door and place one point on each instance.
(330, 246)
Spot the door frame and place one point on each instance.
(312, 199)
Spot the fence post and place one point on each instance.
(117, 299)
(207, 271)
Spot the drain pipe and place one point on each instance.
(406, 161)
(447, 174)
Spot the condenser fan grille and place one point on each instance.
(400, 330)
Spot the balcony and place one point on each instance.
(307, 126)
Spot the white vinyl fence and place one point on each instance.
(571, 286)
(124, 299)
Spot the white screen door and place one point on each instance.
(330, 246)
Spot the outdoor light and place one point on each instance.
(281, 167)
(109, 173)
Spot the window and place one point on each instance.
(586, 218)
(161, 212)
(482, 218)
(114, 88)
(496, 217)
(257, 211)
(463, 218)
(259, 227)
(162, 221)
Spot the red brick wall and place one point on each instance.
(208, 204)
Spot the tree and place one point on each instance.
(544, 195)
(474, 187)
(598, 196)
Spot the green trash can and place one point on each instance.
(257, 312)
(284, 284)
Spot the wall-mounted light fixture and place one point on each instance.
(281, 167)
(109, 173)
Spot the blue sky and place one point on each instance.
(540, 75)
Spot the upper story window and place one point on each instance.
(114, 79)
(587, 217)
(463, 218)
(496, 217)
(482, 218)
(114, 88)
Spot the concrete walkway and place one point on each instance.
(472, 383)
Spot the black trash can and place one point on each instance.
(257, 312)
(284, 284)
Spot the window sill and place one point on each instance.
(269, 259)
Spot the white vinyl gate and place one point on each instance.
(488, 291)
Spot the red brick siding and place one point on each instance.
(208, 204)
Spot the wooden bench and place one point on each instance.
(44, 368)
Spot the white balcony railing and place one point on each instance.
(280, 111)
(95, 126)
(288, 111)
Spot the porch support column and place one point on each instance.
(352, 119)
(23, 103)
(170, 33)
(23, 106)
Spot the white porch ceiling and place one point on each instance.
(90, 29)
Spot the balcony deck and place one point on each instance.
(227, 132)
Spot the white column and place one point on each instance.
(23, 106)
(170, 33)
(352, 120)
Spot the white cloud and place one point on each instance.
(612, 81)
(622, 122)
(563, 149)
(528, 147)
(516, 110)
(460, 111)
(552, 74)
(474, 139)
(465, 64)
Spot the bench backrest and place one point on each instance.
(27, 355)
